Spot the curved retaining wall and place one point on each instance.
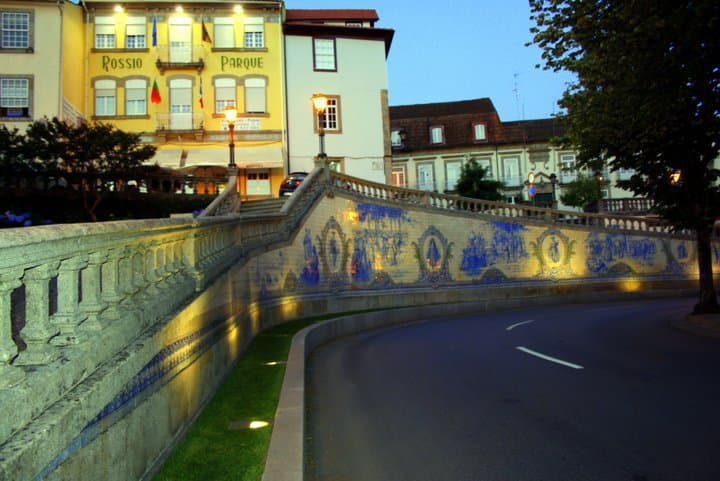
(133, 369)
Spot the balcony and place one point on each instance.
(189, 125)
(180, 57)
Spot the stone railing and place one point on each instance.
(627, 205)
(72, 296)
(228, 202)
(610, 221)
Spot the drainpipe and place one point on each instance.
(284, 87)
(61, 92)
(87, 61)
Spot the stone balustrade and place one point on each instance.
(609, 221)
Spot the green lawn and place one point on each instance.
(212, 451)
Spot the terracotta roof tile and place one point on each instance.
(309, 15)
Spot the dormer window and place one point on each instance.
(397, 138)
(479, 132)
(437, 134)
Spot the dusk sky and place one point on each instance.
(461, 50)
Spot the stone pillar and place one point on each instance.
(112, 294)
(38, 330)
(92, 304)
(9, 375)
(69, 315)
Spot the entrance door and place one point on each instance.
(426, 179)
(258, 182)
(180, 33)
(181, 104)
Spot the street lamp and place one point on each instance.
(320, 102)
(599, 179)
(231, 115)
(553, 182)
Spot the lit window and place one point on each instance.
(331, 117)
(135, 31)
(104, 32)
(324, 54)
(136, 97)
(15, 97)
(399, 177)
(224, 31)
(479, 131)
(15, 30)
(224, 94)
(254, 32)
(105, 98)
(437, 135)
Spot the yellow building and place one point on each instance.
(169, 70)
(41, 53)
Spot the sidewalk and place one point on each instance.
(707, 325)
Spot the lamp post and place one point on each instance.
(599, 179)
(231, 115)
(553, 182)
(320, 104)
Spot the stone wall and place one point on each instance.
(128, 328)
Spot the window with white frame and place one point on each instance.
(224, 32)
(255, 95)
(225, 91)
(136, 97)
(437, 134)
(331, 116)
(568, 173)
(479, 132)
(511, 171)
(105, 95)
(452, 174)
(254, 32)
(396, 138)
(15, 97)
(135, 32)
(15, 31)
(104, 32)
(485, 164)
(324, 54)
(399, 176)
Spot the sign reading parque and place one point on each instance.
(226, 62)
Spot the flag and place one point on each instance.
(200, 98)
(154, 32)
(205, 34)
(155, 94)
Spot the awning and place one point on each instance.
(259, 157)
(166, 158)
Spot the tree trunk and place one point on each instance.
(708, 299)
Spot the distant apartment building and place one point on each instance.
(431, 142)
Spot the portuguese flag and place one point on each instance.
(155, 94)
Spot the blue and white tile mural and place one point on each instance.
(433, 253)
(504, 245)
(310, 274)
(554, 252)
(618, 253)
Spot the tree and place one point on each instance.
(12, 153)
(88, 154)
(583, 192)
(646, 97)
(473, 182)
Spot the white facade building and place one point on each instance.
(338, 53)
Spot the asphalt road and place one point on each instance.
(619, 395)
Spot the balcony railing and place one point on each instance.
(180, 58)
(179, 121)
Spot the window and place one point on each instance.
(396, 138)
(324, 54)
(15, 97)
(485, 163)
(452, 174)
(399, 178)
(104, 32)
(331, 117)
(224, 94)
(136, 97)
(625, 174)
(511, 171)
(479, 132)
(255, 95)
(135, 31)
(224, 31)
(15, 30)
(104, 97)
(567, 168)
(437, 134)
(254, 32)
(353, 24)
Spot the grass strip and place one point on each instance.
(212, 451)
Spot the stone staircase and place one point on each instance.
(262, 207)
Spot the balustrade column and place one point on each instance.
(38, 330)
(9, 375)
(111, 293)
(69, 315)
(92, 303)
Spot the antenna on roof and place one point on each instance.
(516, 91)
